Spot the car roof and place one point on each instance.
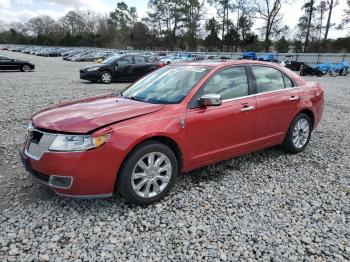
(219, 64)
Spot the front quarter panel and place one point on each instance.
(127, 135)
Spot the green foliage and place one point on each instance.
(282, 45)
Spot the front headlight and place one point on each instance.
(77, 142)
(92, 68)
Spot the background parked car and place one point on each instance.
(127, 67)
(8, 63)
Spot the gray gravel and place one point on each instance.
(263, 206)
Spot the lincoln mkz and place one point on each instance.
(175, 119)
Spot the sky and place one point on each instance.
(22, 10)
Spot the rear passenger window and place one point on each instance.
(229, 83)
(150, 60)
(267, 79)
(140, 60)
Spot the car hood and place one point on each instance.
(86, 115)
(21, 61)
(94, 65)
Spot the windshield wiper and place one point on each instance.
(134, 98)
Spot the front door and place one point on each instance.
(7, 63)
(219, 132)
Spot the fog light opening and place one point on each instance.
(64, 182)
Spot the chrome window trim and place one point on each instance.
(258, 94)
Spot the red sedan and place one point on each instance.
(173, 120)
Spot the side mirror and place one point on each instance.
(210, 100)
(116, 63)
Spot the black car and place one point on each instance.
(125, 67)
(7, 63)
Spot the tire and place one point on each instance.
(106, 77)
(292, 146)
(332, 73)
(25, 68)
(345, 72)
(319, 73)
(130, 178)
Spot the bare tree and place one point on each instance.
(331, 4)
(270, 12)
(74, 21)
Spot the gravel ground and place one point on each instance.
(263, 206)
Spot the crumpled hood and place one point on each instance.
(83, 116)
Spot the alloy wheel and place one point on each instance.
(151, 175)
(26, 68)
(301, 133)
(106, 78)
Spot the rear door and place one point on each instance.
(124, 69)
(277, 101)
(141, 66)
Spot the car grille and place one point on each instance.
(38, 143)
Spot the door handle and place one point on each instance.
(247, 108)
(293, 98)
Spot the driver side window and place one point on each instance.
(229, 83)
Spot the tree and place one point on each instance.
(139, 36)
(192, 14)
(123, 19)
(346, 15)
(165, 18)
(212, 39)
(222, 9)
(310, 9)
(282, 45)
(331, 4)
(121, 16)
(74, 21)
(321, 9)
(232, 38)
(270, 12)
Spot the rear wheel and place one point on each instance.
(25, 68)
(345, 72)
(299, 134)
(332, 72)
(148, 173)
(106, 77)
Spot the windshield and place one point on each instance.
(168, 85)
(110, 60)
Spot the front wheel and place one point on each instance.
(298, 135)
(106, 77)
(25, 68)
(148, 173)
